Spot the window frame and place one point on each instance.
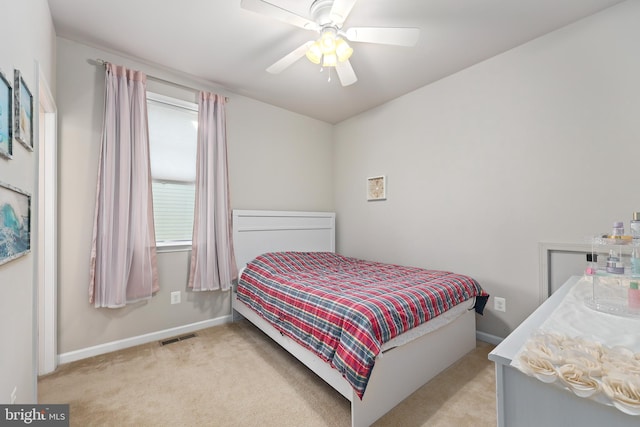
(172, 245)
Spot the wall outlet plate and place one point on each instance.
(499, 304)
(175, 297)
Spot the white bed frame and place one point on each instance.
(398, 372)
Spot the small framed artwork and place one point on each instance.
(15, 223)
(6, 101)
(22, 112)
(376, 188)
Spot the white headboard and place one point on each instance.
(257, 232)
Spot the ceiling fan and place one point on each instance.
(331, 49)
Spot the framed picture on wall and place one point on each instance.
(6, 101)
(376, 188)
(15, 223)
(22, 112)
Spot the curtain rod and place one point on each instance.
(158, 79)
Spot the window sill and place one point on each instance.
(173, 246)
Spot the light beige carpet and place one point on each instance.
(234, 375)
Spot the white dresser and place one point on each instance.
(525, 401)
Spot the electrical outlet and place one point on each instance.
(499, 304)
(14, 394)
(175, 297)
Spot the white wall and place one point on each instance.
(277, 160)
(481, 167)
(27, 39)
(539, 144)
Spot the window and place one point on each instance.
(173, 127)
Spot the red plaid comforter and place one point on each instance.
(344, 309)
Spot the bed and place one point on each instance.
(276, 240)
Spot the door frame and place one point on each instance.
(46, 270)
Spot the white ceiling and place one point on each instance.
(218, 41)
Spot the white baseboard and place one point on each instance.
(97, 350)
(485, 337)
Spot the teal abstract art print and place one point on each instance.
(15, 223)
(6, 136)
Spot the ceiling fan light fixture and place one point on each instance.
(329, 48)
(314, 53)
(328, 40)
(329, 60)
(343, 50)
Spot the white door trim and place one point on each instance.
(47, 273)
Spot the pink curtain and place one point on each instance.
(213, 263)
(123, 254)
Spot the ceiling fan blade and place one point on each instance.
(276, 12)
(289, 59)
(345, 73)
(340, 10)
(382, 35)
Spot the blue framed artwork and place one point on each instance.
(15, 223)
(6, 135)
(22, 112)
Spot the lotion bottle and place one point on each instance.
(635, 262)
(614, 264)
(634, 296)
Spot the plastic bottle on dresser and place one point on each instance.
(635, 262)
(634, 297)
(614, 263)
(634, 226)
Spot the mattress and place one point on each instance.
(345, 309)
